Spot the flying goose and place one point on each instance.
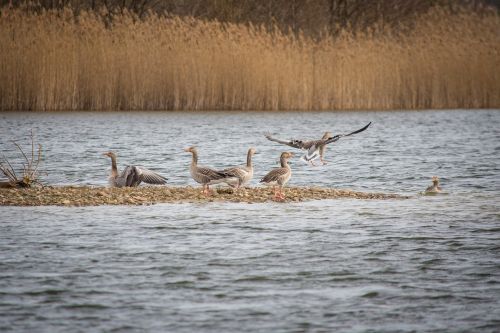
(315, 148)
(207, 176)
(434, 188)
(279, 176)
(132, 175)
(242, 173)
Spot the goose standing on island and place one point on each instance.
(207, 176)
(315, 148)
(243, 174)
(279, 176)
(434, 188)
(132, 175)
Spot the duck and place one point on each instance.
(314, 148)
(242, 173)
(132, 175)
(434, 188)
(207, 176)
(278, 177)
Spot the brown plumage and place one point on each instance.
(243, 173)
(315, 148)
(132, 175)
(280, 176)
(205, 175)
(434, 188)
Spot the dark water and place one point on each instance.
(427, 264)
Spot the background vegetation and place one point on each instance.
(250, 55)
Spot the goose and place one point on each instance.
(279, 176)
(434, 188)
(132, 175)
(315, 148)
(242, 173)
(205, 175)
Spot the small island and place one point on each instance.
(148, 195)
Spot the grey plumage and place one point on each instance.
(315, 148)
(243, 174)
(132, 175)
(279, 176)
(205, 175)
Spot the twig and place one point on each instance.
(22, 152)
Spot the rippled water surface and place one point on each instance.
(426, 264)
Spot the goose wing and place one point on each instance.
(128, 177)
(338, 136)
(313, 151)
(205, 175)
(149, 176)
(299, 144)
(274, 175)
(238, 172)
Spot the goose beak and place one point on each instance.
(186, 150)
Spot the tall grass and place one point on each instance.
(54, 60)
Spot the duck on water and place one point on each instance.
(434, 188)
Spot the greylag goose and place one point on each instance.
(315, 148)
(434, 188)
(132, 175)
(279, 176)
(242, 173)
(207, 176)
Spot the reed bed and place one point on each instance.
(55, 60)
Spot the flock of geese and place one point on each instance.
(235, 177)
(238, 176)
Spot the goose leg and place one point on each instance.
(206, 189)
(276, 196)
(282, 195)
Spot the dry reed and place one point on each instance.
(54, 60)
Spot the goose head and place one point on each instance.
(110, 154)
(191, 149)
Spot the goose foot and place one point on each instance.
(279, 196)
(206, 190)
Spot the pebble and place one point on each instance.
(95, 196)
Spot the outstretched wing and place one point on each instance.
(338, 136)
(149, 176)
(129, 177)
(313, 151)
(299, 144)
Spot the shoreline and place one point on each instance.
(495, 108)
(80, 196)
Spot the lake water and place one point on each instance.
(426, 264)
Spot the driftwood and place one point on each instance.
(29, 176)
